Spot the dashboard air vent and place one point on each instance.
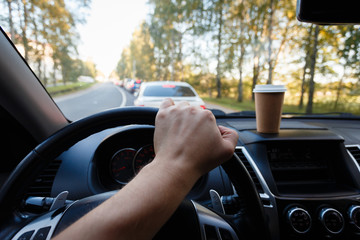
(355, 152)
(43, 183)
(249, 168)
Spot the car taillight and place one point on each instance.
(168, 86)
(202, 106)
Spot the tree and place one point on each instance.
(123, 68)
(257, 16)
(270, 27)
(219, 8)
(309, 106)
(238, 41)
(50, 24)
(349, 55)
(307, 46)
(280, 29)
(138, 61)
(163, 34)
(89, 68)
(142, 53)
(11, 23)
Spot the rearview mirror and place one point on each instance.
(328, 12)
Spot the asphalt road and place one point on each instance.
(98, 98)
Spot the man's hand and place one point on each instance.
(188, 143)
(190, 136)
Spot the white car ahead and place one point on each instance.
(153, 93)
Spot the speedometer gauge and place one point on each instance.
(121, 165)
(145, 155)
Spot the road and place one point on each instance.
(98, 98)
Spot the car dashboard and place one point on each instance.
(307, 175)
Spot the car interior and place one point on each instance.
(302, 183)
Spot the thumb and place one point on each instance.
(228, 134)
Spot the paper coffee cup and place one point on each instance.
(268, 106)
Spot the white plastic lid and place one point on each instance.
(268, 88)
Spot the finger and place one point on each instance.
(167, 102)
(183, 104)
(228, 134)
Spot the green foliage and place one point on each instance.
(88, 69)
(288, 108)
(137, 60)
(237, 44)
(68, 88)
(46, 29)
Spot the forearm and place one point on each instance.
(140, 208)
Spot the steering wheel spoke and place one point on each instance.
(213, 226)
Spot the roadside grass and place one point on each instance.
(248, 105)
(68, 88)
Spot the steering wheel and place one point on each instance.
(199, 221)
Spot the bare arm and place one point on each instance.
(140, 209)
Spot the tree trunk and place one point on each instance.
(218, 71)
(306, 66)
(24, 29)
(172, 57)
(338, 91)
(54, 73)
(240, 85)
(158, 65)
(39, 50)
(180, 57)
(309, 107)
(270, 61)
(45, 79)
(256, 72)
(302, 91)
(11, 23)
(209, 87)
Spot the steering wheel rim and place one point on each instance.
(13, 190)
(41, 156)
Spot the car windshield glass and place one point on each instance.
(168, 91)
(92, 55)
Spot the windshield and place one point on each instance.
(94, 55)
(168, 91)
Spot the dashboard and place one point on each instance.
(307, 176)
(108, 160)
(121, 156)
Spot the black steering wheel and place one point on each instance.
(248, 223)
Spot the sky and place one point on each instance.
(109, 27)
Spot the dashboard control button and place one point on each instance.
(299, 219)
(354, 216)
(332, 220)
(26, 236)
(42, 233)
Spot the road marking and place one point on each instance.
(123, 96)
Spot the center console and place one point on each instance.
(307, 180)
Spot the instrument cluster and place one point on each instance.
(122, 155)
(127, 162)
